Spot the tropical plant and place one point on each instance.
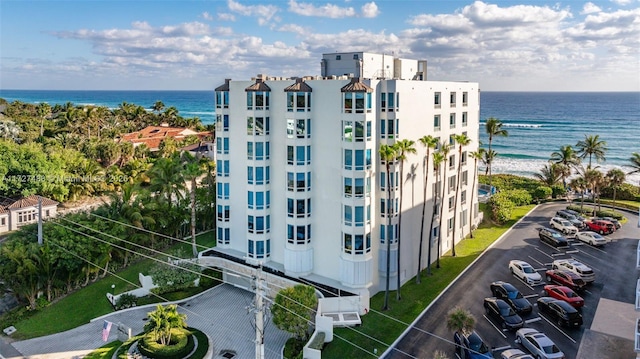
(567, 157)
(594, 180)
(579, 184)
(477, 155)
(193, 168)
(592, 146)
(163, 320)
(635, 163)
(493, 128)
(615, 178)
(294, 309)
(438, 159)
(388, 156)
(487, 160)
(460, 320)
(461, 140)
(444, 150)
(402, 148)
(429, 142)
(549, 174)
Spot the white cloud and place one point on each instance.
(370, 10)
(225, 16)
(326, 10)
(590, 8)
(264, 13)
(622, 2)
(205, 15)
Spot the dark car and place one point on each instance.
(566, 278)
(553, 237)
(601, 226)
(575, 219)
(503, 313)
(471, 346)
(511, 295)
(560, 311)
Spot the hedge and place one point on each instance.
(181, 344)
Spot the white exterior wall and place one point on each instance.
(415, 114)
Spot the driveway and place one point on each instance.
(221, 313)
(614, 266)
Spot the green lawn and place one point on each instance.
(90, 302)
(415, 297)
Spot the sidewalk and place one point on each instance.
(220, 313)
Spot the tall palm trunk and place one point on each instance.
(424, 207)
(455, 203)
(193, 217)
(433, 217)
(398, 295)
(473, 189)
(444, 179)
(385, 306)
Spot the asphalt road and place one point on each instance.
(614, 266)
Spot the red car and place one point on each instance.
(565, 294)
(565, 278)
(601, 226)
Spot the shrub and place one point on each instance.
(558, 190)
(542, 192)
(608, 213)
(587, 211)
(505, 182)
(626, 191)
(181, 344)
(126, 300)
(501, 207)
(293, 348)
(519, 197)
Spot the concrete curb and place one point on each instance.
(412, 325)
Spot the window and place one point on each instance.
(223, 235)
(338, 57)
(361, 100)
(452, 99)
(436, 122)
(452, 120)
(223, 190)
(259, 224)
(303, 128)
(393, 180)
(452, 183)
(452, 140)
(348, 243)
(222, 145)
(348, 102)
(298, 101)
(388, 232)
(452, 202)
(257, 249)
(390, 101)
(463, 159)
(450, 224)
(348, 215)
(452, 162)
(465, 178)
(222, 99)
(355, 56)
(299, 234)
(383, 101)
(223, 213)
(258, 126)
(262, 100)
(436, 99)
(249, 100)
(258, 200)
(299, 182)
(222, 168)
(258, 175)
(464, 119)
(463, 197)
(392, 210)
(465, 97)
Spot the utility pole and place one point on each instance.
(259, 310)
(40, 220)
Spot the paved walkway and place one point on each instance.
(221, 313)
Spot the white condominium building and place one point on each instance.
(302, 188)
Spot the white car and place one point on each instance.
(563, 226)
(576, 267)
(538, 344)
(525, 272)
(591, 238)
(514, 354)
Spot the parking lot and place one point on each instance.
(613, 264)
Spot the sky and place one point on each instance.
(514, 45)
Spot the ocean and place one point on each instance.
(538, 123)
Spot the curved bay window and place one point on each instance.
(356, 243)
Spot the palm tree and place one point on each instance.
(594, 179)
(444, 150)
(429, 142)
(438, 159)
(635, 163)
(567, 157)
(494, 128)
(387, 155)
(461, 140)
(162, 320)
(460, 320)
(487, 159)
(167, 180)
(592, 146)
(44, 112)
(192, 170)
(477, 155)
(549, 174)
(402, 148)
(615, 177)
(579, 184)
(157, 107)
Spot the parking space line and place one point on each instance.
(493, 325)
(560, 330)
(587, 264)
(532, 320)
(535, 260)
(539, 250)
(531, 296)
(523, 282)
(590, 255)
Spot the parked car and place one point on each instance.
(600, 226)
(471, 346)
(525, 272)
(514, 354)
(563, 225)
(553, 237)
(538, 344)
(591, 238)
(511, 295)
(560, 311)
(564, 293)
(572, 216)
(616, 223)
(566, 278)
(576, 267)
(503, 313)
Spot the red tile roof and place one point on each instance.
(30, 201)
(153, 135)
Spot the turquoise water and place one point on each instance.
(538, 122)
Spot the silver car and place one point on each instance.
(538, 344)
(514, 354)
(591, 238)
